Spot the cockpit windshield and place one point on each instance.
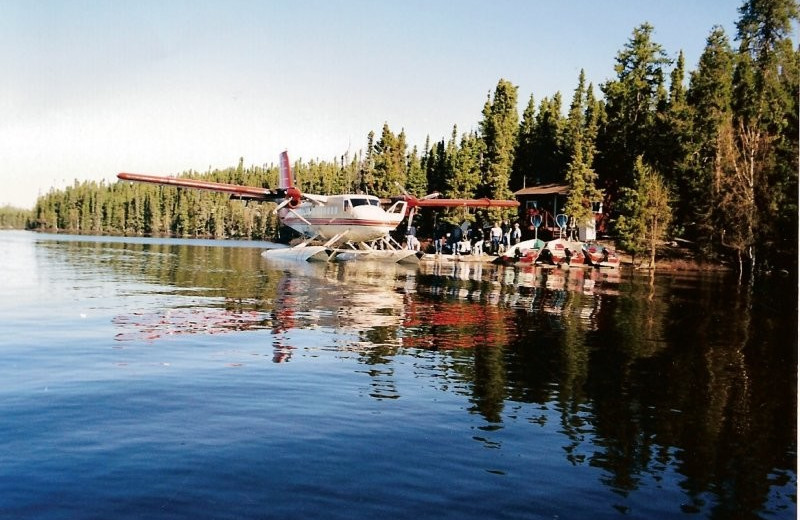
(364, 201)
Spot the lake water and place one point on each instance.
(154, 378)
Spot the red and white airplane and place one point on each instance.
(348, 224)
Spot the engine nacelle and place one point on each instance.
(294, 196)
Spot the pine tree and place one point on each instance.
(582, 189)
(436, 168)
(631, 101)
(645, 212)
(416, 180)
(573, 130)
(522, 171)
(579, 138)
(466, 167)
(673, 143)
(367, 172)
(593, 122)
(548, 155)
(499, 131)
(709, 97)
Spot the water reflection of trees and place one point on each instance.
(686, 373)
(681, 391)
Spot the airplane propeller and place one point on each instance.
(293, 197)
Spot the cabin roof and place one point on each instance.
(544, 189)
(353, 196)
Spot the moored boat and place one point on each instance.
(600, 256)
(526, 252)
(562, 252)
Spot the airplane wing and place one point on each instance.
(236, 191)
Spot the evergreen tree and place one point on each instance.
(416, 180)
(593, 122)
(522, 171)
(673, 142)
(583, 192)
(645, 212)
(499, 131)
(14, 218)
(389, 159)
(709, 98)
(465, 176)
(631, 101)
(579, 138)
(574, 128)
(436, 168)
(547, 151)
(367, 173)
(462, 169)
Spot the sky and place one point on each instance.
(92, 88)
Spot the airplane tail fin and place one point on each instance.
(285, 180)
(286, 184)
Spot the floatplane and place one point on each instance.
(340, 227)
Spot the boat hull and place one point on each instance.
(600, 256)
(526, 252)
(562, 252)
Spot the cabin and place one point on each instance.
(545, 204)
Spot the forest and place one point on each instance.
(709, 156)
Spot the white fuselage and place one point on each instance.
(352, 218)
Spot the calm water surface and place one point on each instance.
(149, 378)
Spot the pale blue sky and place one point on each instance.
(91, 88)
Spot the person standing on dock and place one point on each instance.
(411, 237)
(516, 234)
(496, 234)
(477, 240)
(439, 238)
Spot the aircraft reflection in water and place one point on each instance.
(354, 303)
(360, 303)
